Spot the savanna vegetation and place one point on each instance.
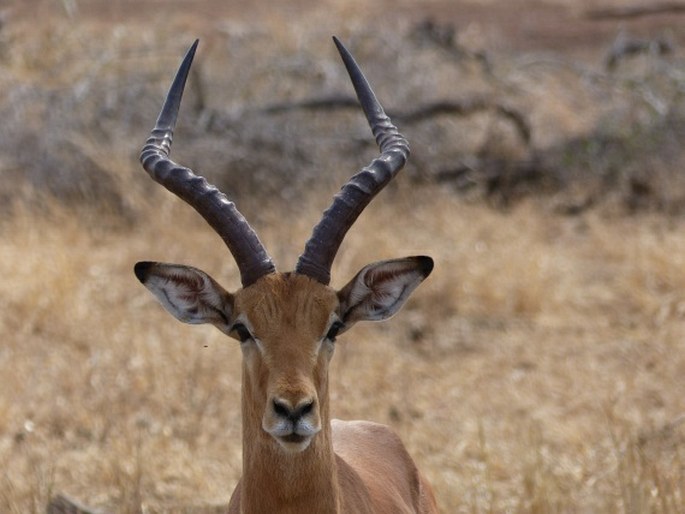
(540, 369)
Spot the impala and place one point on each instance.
(295, 458)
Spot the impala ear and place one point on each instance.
(189, 294)
(380, 289)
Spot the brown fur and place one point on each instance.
(295, 460)
(356, 467)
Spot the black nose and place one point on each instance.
(283, 409)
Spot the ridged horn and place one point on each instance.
(350, 201)
(213, 205)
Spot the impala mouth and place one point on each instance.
(293, 442)
(293, 438)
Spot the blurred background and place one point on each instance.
(538, 370)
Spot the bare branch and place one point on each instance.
(468, 107)
(429, 110)
(635, 11)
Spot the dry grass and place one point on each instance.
(539, 370)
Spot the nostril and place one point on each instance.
(305, 409)
(281, 409)
(284, 410)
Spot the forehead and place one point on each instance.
(283, 302)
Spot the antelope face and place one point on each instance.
(286, 324)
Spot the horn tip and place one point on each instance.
(190, 54)
(342, 49)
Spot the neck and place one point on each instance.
(276, 481)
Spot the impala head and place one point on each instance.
(286, 322)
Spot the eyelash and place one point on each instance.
(333, 331)
(242, 331)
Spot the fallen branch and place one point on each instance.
(441, 107)
(500, 180)
(467, 108)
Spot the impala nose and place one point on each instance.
(284, 409)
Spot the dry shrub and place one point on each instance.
(79, 95)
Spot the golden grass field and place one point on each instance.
(540, 369)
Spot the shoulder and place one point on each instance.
(360, 434)
(361, 427)
(376, 453)
(364, 441)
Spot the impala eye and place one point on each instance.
(242, 332)
(333, 331)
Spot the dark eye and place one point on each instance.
(333, 331)
(242, 332)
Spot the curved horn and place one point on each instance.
(350, 201)
(213, 205)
